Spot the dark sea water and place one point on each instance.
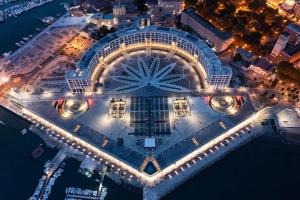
(266, 168)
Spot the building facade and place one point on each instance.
(101, 19)
(215, 75)
(119, 10)
(274, 3)
(287, 46)
(279, 45)
(261, 67)
(220, 40)
(297, 9)
(173, 6)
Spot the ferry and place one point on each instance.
(26, 38)
(24, 131)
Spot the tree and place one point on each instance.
(102, 32)
(257, 4)
(141, 5)
(253, 38)
(286, 70)
(190, 3)
(237, 57)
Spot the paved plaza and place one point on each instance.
(147, 82)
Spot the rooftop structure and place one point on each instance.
(261, 67)
(181, 107)
(221, 40)
(173, 6)
(102, 19)
(117, 108)
(289, 121)
(119, 10)
(287, 45)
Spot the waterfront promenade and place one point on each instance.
(166, 175)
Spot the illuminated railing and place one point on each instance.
(141, 176)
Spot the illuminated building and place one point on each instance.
(220, 40)
(101, 19)
(173, 6)
(280, 45)
(288, 4)
(96, 58)
(261, 67)
(274, 3)
(287, 45)
(297, 9)
(119, 10)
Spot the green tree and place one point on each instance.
(190, 3)
(141, 5)
(257, 4)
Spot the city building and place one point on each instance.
(160, 17)
(294, 31)
(297, 10)
(101, 19)
(288, 5)
(279, 45)
(124, 1)
(119, 10)
(261, 67)
(287, 45)
(173, 6)
(291, 54)
(78, 80)
(94, 60)
(289, 121)
(220, 40)
(274, 3)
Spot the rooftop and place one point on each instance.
(288, 118)
(99, 16)
(292, 50)
(294, 27)
(263, 64)
(244, 53)
(223, 35)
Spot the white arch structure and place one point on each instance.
(113, 45)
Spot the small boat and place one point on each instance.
(24, 131)
(1, 122)
(48, 20)
(25, 38)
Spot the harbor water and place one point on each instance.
(266, 168)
